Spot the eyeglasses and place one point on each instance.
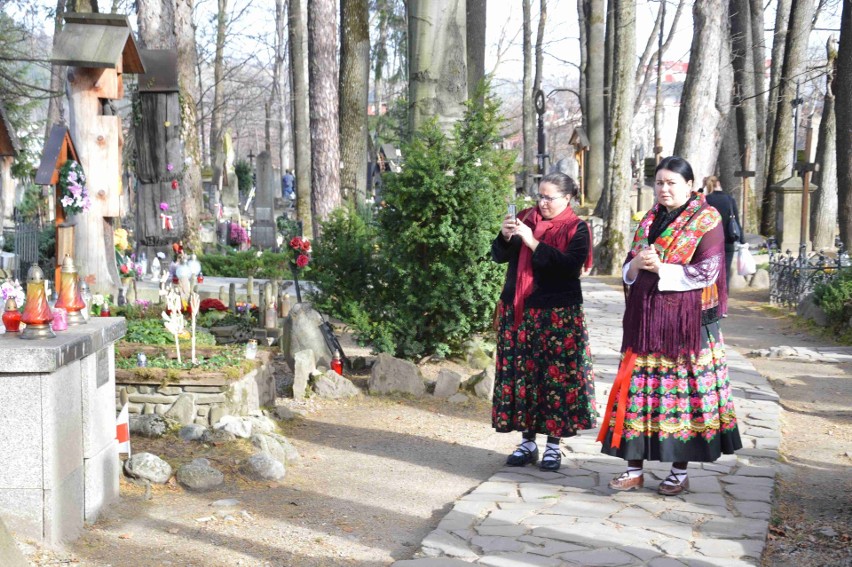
(547, 199)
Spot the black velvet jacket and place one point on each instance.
(556, 273)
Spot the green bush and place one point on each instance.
(242, 169)
(344, 268)
(288, 227)
(835, 298)
(421, 280)
(269, 265)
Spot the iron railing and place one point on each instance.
(791, 278)
(26, 247)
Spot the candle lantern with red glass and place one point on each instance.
(37, 315)
(12, 317)
(70, 298)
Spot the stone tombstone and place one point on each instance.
(302, 332)
(232, 298)
(263, 231)
(223, 294)
(249, 289)
(788, 212)
(228, 179)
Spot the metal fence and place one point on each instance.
(26, 247)
(791, 278)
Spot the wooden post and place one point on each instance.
(805, 168)
(744, 174)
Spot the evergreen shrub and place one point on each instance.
(835, 298)
(268, 265)
(423, 282)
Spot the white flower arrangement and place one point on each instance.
(72, 184)
(13, 289)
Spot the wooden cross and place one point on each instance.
(805, 169)
(744, 174)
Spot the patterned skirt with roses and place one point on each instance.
(679, 410)
(544, 380)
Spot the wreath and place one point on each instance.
(74, 197)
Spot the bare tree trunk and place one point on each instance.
(742, 54)
(475, 17)
(703, 106)
(758, 160)
(218, 108)
(354, 86)
(280, 100)
(593, 117)
(190, 187)
(528, 110)
(324, 104)
(643, 68)
(378, 72)
(824, 210)
(299, 105)
(843, 101)
(781, 156)
(584, 57)
(779, 43)
(55, 104)
(616, 237)
(437, 78)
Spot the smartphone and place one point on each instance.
(513, 210)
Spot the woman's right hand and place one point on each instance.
(508, 227)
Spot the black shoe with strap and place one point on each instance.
(551, 460)
(522, 456)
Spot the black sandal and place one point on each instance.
(551, 460)
(522, 456)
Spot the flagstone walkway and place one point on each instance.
(525, 517)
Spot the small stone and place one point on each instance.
(193, 432)
(199, 475)
(239, 426)
(226, 503)
(262, 466)
(217, 436)
(150, 425)
(458, 398)
(148, 467)
(828, 531)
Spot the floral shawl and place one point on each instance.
(669, 322)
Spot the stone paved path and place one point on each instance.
(525, 517)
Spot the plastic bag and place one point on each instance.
(746, 265)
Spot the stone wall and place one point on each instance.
(204, 400)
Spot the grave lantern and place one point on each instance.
(36, 314)
(70, 298)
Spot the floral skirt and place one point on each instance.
(544, 380)
(679, 410)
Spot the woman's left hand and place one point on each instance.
(526, 235)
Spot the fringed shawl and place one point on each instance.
(669, 322)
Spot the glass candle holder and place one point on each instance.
(70, 297)
(251, 350)
(36, 315)
(60, 319)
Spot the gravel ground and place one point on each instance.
(376, 475)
